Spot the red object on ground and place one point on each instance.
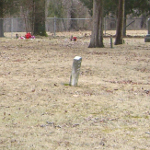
(74, 38)
(28, 35)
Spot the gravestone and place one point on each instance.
(147, 38)
(75, 71)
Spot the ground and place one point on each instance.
(109, 109)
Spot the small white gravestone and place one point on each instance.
(147, 38)
(75, 71)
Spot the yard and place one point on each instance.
(109, 109)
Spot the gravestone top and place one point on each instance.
(77, 57)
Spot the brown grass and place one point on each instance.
(81, 34)
(110, 108)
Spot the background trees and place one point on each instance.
(89, 5)
(36, 11)
(33, 12)
(56, 8)
(7, 8)
(27, 12)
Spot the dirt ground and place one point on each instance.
(109, 109)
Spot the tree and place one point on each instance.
(89, 5)
(39, 17)
(108, 5)
(27, 12)
(119, 31)
(6, 7)
(1, 18)
(56, 9)
(97, 30)
(134, 7)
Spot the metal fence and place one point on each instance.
(54, 25)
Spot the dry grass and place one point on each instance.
(81, 34)
(110, 108)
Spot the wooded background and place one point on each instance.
(40, 16)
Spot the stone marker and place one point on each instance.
(75, 71)
(147, 38)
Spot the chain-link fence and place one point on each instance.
(15, 25)
(11, 26)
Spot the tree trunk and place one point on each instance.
(97, 31)
(124, 20)
(119, 32)
(39, 18)
(1, 18)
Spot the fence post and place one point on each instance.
(54, 26)
(11, 27)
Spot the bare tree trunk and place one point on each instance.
(119, 32)
(1, 18)
(39, 22)
(33, 16)
(97, 31)
(124, 20)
